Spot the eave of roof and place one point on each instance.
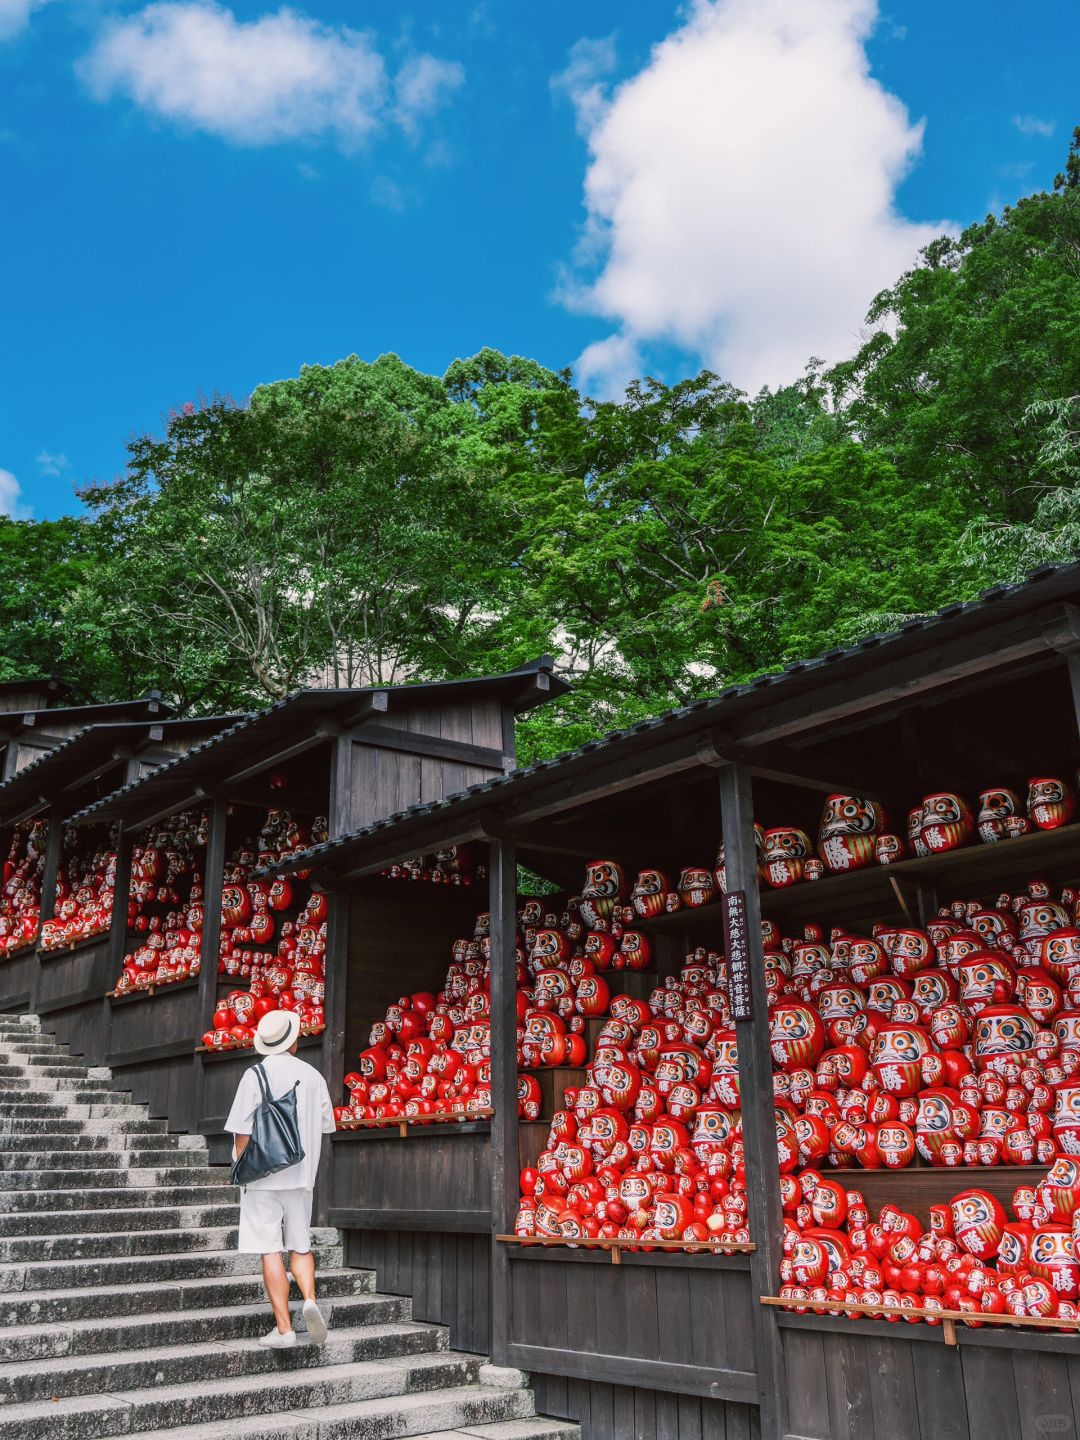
(523, 688)
(1049, 583)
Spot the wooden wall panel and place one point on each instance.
(616, 1412)
(18, 977)
(864, 1380)
(146, 1028)
(84, 1027)
(399, 941)
(74, 976)
(582, 1317)
(438, 1179)
(447, 1276)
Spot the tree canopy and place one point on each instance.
(367, 523)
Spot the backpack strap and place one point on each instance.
(264, 1084)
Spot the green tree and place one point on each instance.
(983, 328)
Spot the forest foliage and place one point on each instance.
(367, 523)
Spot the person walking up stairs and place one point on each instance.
(126, 1310)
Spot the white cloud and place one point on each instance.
(741, 189)
(281, 77)
(50, 464)
(1032, 125)
(582, 82)
(11, 496)
(15, 16)
(422, 85)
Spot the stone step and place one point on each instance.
(102, 1144)
(136, 1270)
(48, 1307)
(50, 1084)
(84, 1107)
(209, 1362)
(462, 1414)
(19, 1343)
(169, 1406)
(98, 1222)
(14, 1161)
(129, 1243)
(95, 1125)
(65, 1092)
(121, 1197)
(12, 1181)
(46, 1067)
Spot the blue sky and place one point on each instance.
(197, 198)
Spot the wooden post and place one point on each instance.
(117, 928)
(758, 1110)
(502, 903)
(213, 884)
(53, 842)
(341, 818)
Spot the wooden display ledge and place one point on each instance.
(415, 1127)
(61, 952)
(403, 1124)
(211, 1052)
(149, 992)
(616, 1247)
(27, 945)
(974, 870)
(948, 1318)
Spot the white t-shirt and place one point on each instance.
(314, 1112)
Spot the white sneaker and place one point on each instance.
(277, 1341)
(316, 1325)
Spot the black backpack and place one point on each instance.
(275, 1136)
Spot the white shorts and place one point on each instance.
(274, 1220)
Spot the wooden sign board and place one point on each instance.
(736, 945)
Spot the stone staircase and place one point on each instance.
(125, 1311)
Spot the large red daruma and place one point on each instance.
(847, 831)
(796, 1035)
(896, 1058)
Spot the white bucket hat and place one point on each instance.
(276, 1032)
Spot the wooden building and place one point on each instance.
(679, 1344)
(348, 756)
(669, 1343)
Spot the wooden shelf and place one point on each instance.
(456, 1122)
(976, 871)
(948, 1319)
(616, 1247)
(61, 952)
(151, 992)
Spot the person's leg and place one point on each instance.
(303, 1272)
(276, 1282)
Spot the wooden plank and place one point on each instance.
(579, 1402)
(894, 1401)
(646, 1403)
(758, 1115)
(601, 1418)
(623, 1407)
(688, 1418)
(457, 1222)
(1043, 1395)
(551, 1309)
(990, 1390)
(502, 903)
(808, 1391)
(739, 1385)
(850, 1413)
(413, 743)
(642, 1320)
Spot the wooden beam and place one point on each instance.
(53, 842)
(577, 840)
(737, 1386)
(627, 767)
(412, 742)
(1063, 635)
(325, 730)
(894, 684)
(502, 902)
(758, 1108)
